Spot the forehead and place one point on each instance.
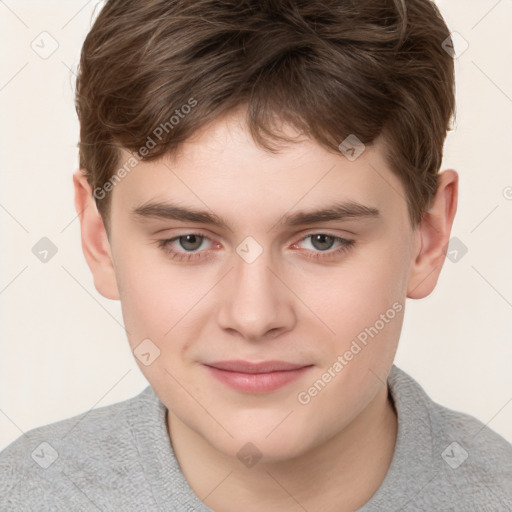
(223, 170)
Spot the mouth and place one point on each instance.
(262, 377)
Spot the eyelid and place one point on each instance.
(326, 233)
(189, 233)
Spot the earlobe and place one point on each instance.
(95, 243)
(434, 233)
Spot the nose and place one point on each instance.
(256, 303)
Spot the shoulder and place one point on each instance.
(476, 455)
(467, 463)
(55, 460)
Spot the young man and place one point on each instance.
(259, 188)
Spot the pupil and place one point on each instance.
(321, 239)
(194, 240)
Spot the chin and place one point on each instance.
(254, 443)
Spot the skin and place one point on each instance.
(332, 453)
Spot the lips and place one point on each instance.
(248, 367)
(262, 377)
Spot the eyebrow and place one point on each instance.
(335, 212)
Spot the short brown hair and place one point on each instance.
(329, 68)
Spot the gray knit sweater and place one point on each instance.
(119, 458)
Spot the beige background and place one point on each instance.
(63, 350)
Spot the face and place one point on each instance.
(256, 276)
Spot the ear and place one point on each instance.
(434, 235)
(95, 243)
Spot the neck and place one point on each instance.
(339, 475)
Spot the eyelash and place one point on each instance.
(346, 245)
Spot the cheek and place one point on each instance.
(164, 302)
(152, 298)
(355, 294)
(384, 270)
(363, 303)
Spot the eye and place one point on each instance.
(184, 247)
(187, 247)
(190, 242)
(322, 242)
